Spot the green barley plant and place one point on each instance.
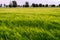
(29, 23)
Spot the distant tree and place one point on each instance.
(23, 5)
(11, 4)
(33, 4)
(27, 4)
(40, 5)
(14, 3)
(7, 5)
(46, 5)
(53, 5)
(36, 5)
(59, 5)
(4, 5)
(18, 5)
(0, 5)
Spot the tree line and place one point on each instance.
(14, 4)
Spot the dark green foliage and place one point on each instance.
(40, 5)
(35, 23)
(33, 5)
(26, 4)
(10, 34)
(46, 5)
(59, 5)
(13, 4)
(0, 5)
(1, 22)
(36, 5)
(53, 5)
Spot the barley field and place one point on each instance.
(29, 23)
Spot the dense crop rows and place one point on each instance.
(29, 23)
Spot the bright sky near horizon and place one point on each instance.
(20, 2)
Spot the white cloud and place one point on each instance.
(32, 1)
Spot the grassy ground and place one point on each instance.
(29, 23)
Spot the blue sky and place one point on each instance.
(20, 2)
